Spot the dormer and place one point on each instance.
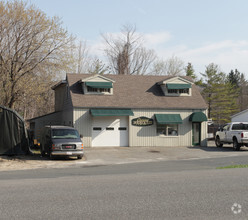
(97, 85)
(176, 86)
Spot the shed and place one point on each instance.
(13, 133)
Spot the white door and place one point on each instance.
(110, 131)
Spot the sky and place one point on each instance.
(196, 31)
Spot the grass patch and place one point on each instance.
(234, 166)
(35, 151)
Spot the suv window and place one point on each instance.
(64, 134)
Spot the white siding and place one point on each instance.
(147, 136)
(241, 117)
(82, 122)
(144, 136)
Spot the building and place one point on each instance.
(127, 110)
(240, 117)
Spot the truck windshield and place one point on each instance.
(64, 134)
(240, 127)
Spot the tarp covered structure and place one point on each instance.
(13, 134)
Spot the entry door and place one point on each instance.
(196, 130)
(110, 131)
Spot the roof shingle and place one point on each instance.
(133, 91)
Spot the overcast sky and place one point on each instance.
(196, 31)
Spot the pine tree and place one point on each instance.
(190, 71)
(220, 95)
(225, 103)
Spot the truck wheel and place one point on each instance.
(42, 152)
(218, 142)
(50, 154)
(79, 157)
(236, 145)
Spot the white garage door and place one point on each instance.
(110, 131)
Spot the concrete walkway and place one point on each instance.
(120, 155)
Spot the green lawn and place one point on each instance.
(234, 166)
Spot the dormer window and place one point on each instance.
(176, 86)
(177, 89)
(98, 87)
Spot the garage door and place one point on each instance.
(110, 131)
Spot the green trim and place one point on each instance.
(103, 85)
(168, 119)
(111, 112)
(198, 117)
(178, 86)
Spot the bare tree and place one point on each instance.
(31, 45)
(126, 53)
(172, 66)
(80, 59)
(98, 67)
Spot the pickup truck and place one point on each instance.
(235, 133)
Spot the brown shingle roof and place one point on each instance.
(133, 92)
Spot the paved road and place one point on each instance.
(188, 189)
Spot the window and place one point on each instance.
(240, 126)
(98, 90)
(167, 130)
(185, 91)
(122, 128)
(226, 127)
(90, 89)
(104, 90)
(109, 128)
(97, 129)
(64, 134)
(171, 91)
(178, 91)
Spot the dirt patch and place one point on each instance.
(154, 151)
(23, 162)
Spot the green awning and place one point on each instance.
(111, 112)
(198, 117)
(178, 86)
(103, 85)
(168, 118)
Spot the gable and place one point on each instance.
(97, 78)
(176, 79)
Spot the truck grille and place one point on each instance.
(68, 146)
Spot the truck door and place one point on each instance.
(228, 134)
(223, 133)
